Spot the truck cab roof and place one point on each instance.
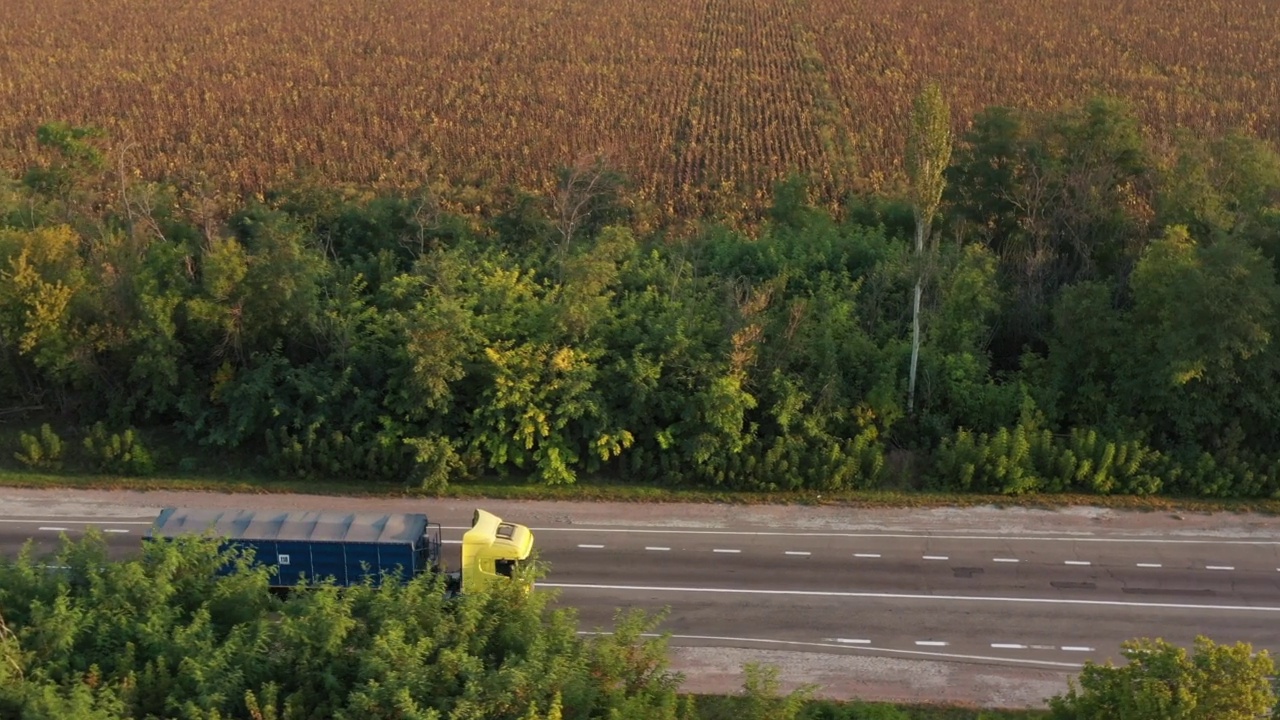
(490, 537)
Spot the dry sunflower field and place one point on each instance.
(704, 103)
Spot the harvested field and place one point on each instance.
(704, 102)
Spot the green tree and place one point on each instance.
(165, 635)
(1220, 185)
(928, 154)
(1163, 682)
(258, 286)
(983, 183)
(42, 289)
(65, 181)
(1060, 197)
(1201, 316)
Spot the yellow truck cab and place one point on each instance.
(492, 550)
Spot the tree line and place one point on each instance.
(169, 633)
(1097, 314)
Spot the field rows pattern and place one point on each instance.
(691, 97)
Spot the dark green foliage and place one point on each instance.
(1099, 317)
(860, 711)
(1059, 197)
(1162, 681)
(162, 635)
(76, 158)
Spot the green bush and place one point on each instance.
(43, 452)
(312, 452)
(1023, 460)
(761, 699)
(435, 459)
(999, 462)
(121, 453)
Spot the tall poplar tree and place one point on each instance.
(928, 152)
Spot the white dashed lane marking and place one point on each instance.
(931, 643)
(1020, 646)
(806, 553)
(115, 530)
(54, 529)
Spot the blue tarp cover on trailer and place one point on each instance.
(314, 545)
(296, 526)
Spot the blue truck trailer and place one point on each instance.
(350, 547)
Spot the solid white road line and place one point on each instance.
(797, 643)
(896, 536)
(909, 596)
(33, 521)
(657, 549)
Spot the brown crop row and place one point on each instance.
(704, 102)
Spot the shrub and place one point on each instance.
(43, 452)
(435, 459)
(313, 453)
(121, 453)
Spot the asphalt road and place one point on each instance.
(1010, 608)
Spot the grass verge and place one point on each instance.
(603, 490)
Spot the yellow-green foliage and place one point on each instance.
(1024, 459)
(121, 453)
(43, 451)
